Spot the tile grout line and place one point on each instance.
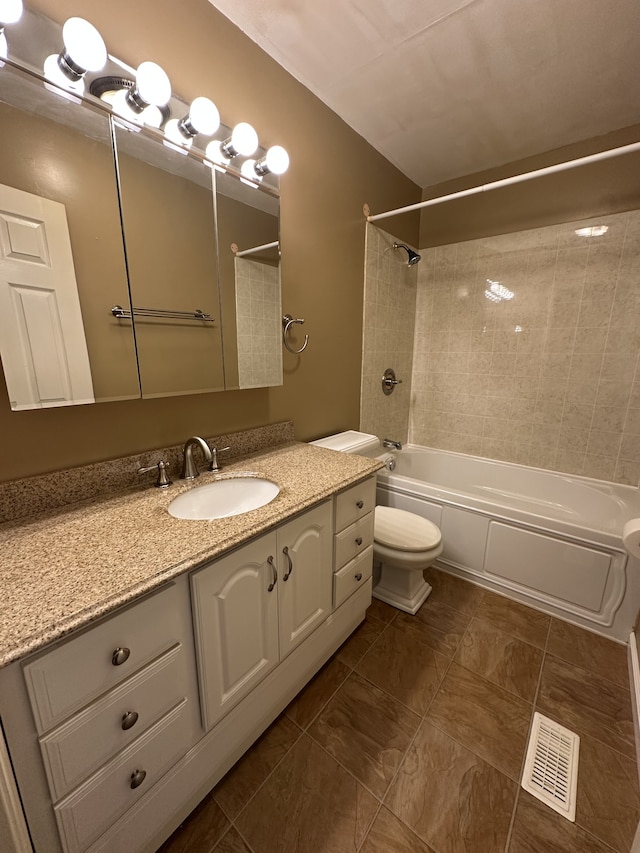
(260, 786)
(370, 827)
(533, 708)
(304, 729)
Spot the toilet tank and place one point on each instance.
(351, 441)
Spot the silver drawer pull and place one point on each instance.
(285, 551)
(359, 576)
(359, 540)
(275, 574)
(120, 656)
(138, 777)
(129, 720)
(359, 504)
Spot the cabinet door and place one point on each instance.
(236, 625)
(306, 575)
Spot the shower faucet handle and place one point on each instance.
(389, 381)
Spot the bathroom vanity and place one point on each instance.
(130, 687)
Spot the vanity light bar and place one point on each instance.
(142, 97)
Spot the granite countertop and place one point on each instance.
(64, 569)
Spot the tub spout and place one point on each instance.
(396, 445)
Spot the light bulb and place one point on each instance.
(10, 11)
(213, 153)
(173, 133)
(203, 117)
(55, 74)
(244, 139)
(248, 170)
(84, 48)
(276, 161)
(152, 86)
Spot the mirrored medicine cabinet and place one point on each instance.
(127, 268)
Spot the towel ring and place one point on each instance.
(287, 323)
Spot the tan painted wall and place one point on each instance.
(333, 171)
(611, 186)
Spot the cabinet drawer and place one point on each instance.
(88, 740)
(352, 541)
(86, 813)
(355, 502)
(352, 576)
(77, 671)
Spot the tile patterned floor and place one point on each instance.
(411, 740)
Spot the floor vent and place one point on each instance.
(551, 766)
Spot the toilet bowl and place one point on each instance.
(404, 544)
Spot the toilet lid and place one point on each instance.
(403, 530)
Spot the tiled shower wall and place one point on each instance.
(388, 329)
(547, 377)
(258, 315)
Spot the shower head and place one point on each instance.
(414, 257)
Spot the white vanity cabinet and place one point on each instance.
(115, 733)
(254, 606)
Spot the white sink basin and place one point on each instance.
(223, 498)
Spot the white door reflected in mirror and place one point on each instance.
(42, 340)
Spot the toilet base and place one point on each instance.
(405, 589)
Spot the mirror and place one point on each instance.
(61, 255)
(249, 263)
(157, 243)
(170, 238)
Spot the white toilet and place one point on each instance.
(404, 543)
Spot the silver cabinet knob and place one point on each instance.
(359, 576)
(359, 540)
(129, 720)
(120, 656)
(138, 777)
(359, 504)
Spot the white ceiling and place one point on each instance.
(445, 88)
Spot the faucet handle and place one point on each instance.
(163, 480)
(213, 465)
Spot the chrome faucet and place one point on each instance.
(189, 467)
(396, 445)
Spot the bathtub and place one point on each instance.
(553, 541)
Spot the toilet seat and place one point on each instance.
(399, 530)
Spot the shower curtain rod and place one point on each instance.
(505, 182)
(254, 250)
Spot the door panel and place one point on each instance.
(305, 597)
(42, 340)
(236, 625)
